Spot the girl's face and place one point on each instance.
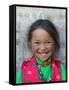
(42, 44)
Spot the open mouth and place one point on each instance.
(44, 53)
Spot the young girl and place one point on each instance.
(43, 40)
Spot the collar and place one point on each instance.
(43, 63)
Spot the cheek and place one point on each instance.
(35, 48)
(51, 48)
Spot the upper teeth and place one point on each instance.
(43, 53)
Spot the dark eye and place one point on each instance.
(49, 42)
(37, 42)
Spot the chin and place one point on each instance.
(42, 58)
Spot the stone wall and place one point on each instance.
(25, 16)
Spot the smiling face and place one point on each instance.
(42, 44)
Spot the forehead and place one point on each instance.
(41, 35)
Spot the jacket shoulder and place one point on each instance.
(24, 64)
(57, 62)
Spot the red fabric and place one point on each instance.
(56, 71)
(30, 71)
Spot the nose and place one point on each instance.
(42, 48)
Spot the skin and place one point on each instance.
(42, 44)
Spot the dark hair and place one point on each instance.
(47, 26)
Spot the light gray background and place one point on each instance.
(25, 16)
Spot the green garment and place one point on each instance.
(45, 71)
(18, 77)
(63, 72)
